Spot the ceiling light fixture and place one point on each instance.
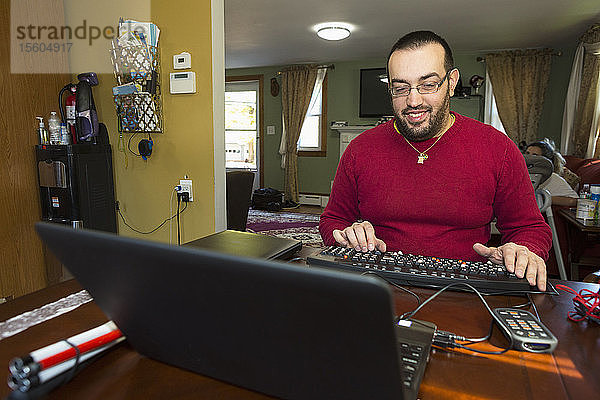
(333, 31)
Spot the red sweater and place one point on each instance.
(474, 174)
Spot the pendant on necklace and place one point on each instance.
(422, 157)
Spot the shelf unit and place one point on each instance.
(141, 111)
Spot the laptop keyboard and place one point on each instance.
(423, 271)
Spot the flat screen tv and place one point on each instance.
(374, 97)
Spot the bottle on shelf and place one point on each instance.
(54, 128)
(42, 132)
(65, 137)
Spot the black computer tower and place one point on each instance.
(76, 185)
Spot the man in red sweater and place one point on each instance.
(431, 181)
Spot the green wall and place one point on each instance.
(316, 173)
(554, 101)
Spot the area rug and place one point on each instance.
(298, 226)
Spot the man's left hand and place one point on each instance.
(518, 259)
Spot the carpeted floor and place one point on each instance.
(290, 225)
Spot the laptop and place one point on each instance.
(248, 244)
(284, 330)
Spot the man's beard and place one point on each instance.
(420, 134)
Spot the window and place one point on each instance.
(491, 116)
(313, 136)
(241, 125)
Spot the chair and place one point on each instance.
(540, 169)
(239, 195)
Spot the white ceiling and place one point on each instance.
(271, 32)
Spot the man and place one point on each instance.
(431, 181)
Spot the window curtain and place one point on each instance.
(579, 136)
(520, 78)
(490, 114)
(297, 83)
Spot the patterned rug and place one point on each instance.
(299, 226)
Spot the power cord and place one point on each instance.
(129, 146)
(155, 229)
(178, 228)
(450, 340)
(394, 284)
(175, 190)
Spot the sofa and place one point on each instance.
(588, 170)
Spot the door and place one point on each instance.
(243, 125)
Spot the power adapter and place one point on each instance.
(183, 196)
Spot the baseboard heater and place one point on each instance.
(314, 200)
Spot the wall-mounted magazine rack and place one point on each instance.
(137, 95)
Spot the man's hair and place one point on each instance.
(417, 39)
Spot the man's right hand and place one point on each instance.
(359, 236)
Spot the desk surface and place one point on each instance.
(570, 372)
(592, 226)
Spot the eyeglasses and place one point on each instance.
(423, 88)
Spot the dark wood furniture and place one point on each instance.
(571, 372)
(581, 235)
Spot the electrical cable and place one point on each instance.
(296, 259)
(529, 302)
(73, 370)
(153, 230)
(171, 213)
(447, 339)
(129, 146)
(394, 284)
(554, 292)
(534, 307)
(121, 148)
(481, 339)
(178, 231)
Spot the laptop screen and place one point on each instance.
(285, 330)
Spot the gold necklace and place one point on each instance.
(423, 154)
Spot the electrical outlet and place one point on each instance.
(186, 186)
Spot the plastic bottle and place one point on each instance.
(42, 132)
(65, 137)
(585, 205)
(595, 197)
(54, 128)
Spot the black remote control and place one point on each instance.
(527, 332)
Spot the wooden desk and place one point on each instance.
(580, 234)
(571, 372)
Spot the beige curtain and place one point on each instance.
(297, 85)
(584, 141)
(520, 78)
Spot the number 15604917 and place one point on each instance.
(41, 47)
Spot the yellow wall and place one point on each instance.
(143, 188)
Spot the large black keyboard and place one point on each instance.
(422, 271)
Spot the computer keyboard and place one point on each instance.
(422, 271)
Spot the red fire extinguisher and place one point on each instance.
(69, 109)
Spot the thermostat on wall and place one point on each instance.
(183, 82)
(182, 61)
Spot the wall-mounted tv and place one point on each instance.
(374, 97)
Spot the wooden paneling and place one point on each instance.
(22, 97)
